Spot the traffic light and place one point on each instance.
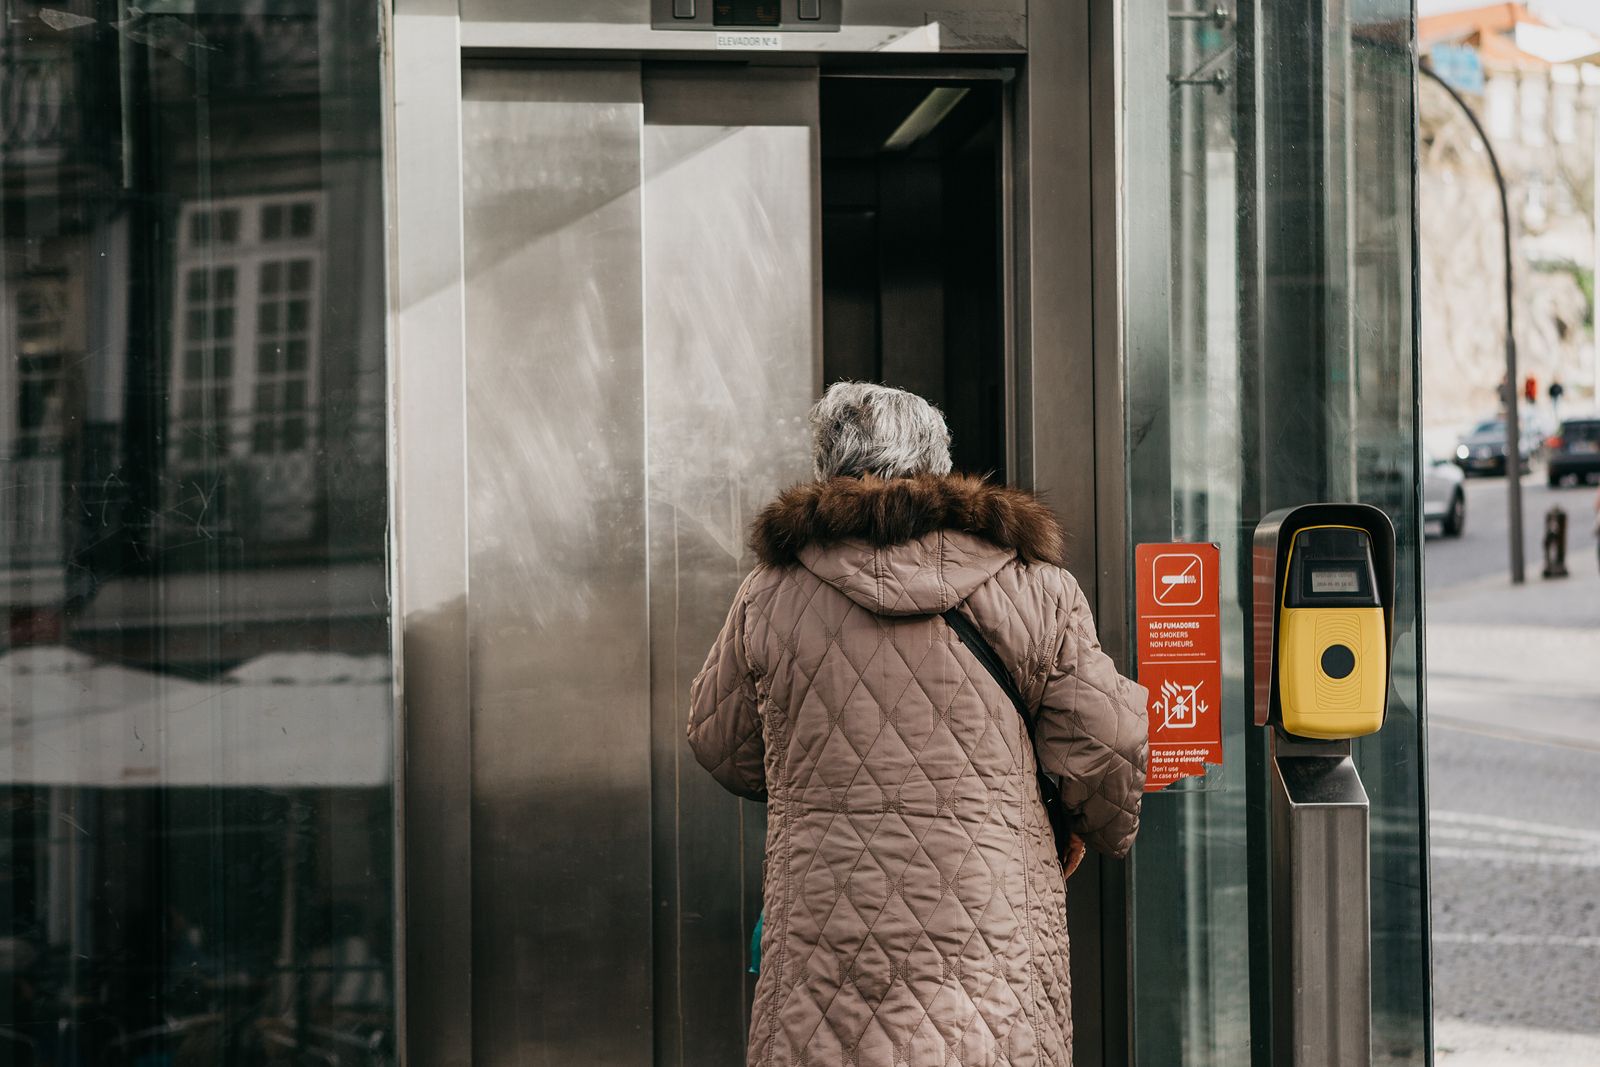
(1530, 389)
(1556, 390)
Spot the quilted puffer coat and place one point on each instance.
(915, 911)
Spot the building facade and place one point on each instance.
(388, 388)
(1536, 89)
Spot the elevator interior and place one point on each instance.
(913, 211)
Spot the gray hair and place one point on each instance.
(859, 428)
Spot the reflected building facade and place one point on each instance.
(196, 756)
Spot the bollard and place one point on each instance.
(1555, 543)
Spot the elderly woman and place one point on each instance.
(915, 907)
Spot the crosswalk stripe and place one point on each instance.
(1494, 858)
(1453, 937)
(1499, 822)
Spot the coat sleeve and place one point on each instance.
(1093, 732)
(724, 726)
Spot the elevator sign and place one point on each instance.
(1180, 657)
(746, 41)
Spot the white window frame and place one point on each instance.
(1534, 110)
(1564, 104)
(1500, 103)
(249, 254)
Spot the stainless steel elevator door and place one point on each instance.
(642, 346)
(733, 360)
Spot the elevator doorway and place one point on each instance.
(913, 217)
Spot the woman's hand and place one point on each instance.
(1074, 856)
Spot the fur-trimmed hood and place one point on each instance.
(890, 512)
(905, 545)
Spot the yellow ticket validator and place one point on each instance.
(1333, 650)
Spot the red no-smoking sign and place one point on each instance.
(1180, 657)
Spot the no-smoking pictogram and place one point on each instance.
(1178, 579)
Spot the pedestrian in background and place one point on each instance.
(915, 911)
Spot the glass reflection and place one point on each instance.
(195, 749)
(1282, 374)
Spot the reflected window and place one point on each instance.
(40, 313)
(248, 283)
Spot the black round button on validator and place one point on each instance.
(1338, 661)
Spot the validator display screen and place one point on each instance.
(1343, 580)
(1331, 567)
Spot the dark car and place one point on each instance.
(1575, 451)
(1483, 451)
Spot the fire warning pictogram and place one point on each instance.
(1180, 706)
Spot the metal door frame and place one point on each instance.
(428, 427)
(1064, 301)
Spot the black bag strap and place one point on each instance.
(1049, 789)
(991, 661)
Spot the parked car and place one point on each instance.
(1483, 451)
(1574, 452)
(1444, 500)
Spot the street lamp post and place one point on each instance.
(1513, 427)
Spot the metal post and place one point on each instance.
(1513, 420)
(1555, 542)
(1321, 904)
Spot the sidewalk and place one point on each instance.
(1522, 682)
(1518, 662)
(1459, 1043)
(1573, 601)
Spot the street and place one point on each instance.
(1514, 738)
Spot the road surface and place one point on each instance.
(1514, 760)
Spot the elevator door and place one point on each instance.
(645, 307)
(642, 346)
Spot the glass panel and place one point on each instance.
(1281, 371)
(1191, 950)
(196, 811)
(1384, 383)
